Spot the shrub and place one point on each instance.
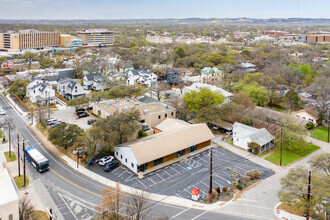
(255, 147)
(309, 125)
(142, 134)
(225, 189)
(248, 122)
(217, 189)
(239, 186)
(252, 174)
(214, 194)
(247, 178)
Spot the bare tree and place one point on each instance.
(25, 208)
(158, 88)
(136, 203)
(8, 124)
(320, 91)
(111, 203)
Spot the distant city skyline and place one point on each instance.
(158, 9)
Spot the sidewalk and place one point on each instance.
(281, 214)
(253, 158)
(14, 105)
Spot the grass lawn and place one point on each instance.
(20, 182)
(290, 209)
(288, 156)
(12, 158)
(320, 133)
(39, 215)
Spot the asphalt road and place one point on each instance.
(74, 196)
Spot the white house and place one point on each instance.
(197, 86)
(40, 92)
(141, 76)
(70, 88)
(243, 135)
(94, 81)
(307, 115)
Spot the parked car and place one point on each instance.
(83, 115)
(89, 108)
(2, 112)
(80, 111)
(55, 124)
(105, 160)
(91, 121)
(110, 166)
(49, 119)
(53, 121)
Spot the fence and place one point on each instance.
(61, 97)
(28, 108)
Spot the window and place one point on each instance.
(142, 121)
(142, 167)
(192, 148)
(158, 116)
(158, 161)
(121, 156)
(34, 91)
(117, 153)
(125, 160)
(132, 165)
(172, 113)
(165, 115)
(180, 153)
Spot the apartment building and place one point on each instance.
(96, 37)
(318, 38)
(159, 39)
(28, 39)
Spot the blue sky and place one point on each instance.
(131, 9)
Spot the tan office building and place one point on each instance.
(66, 40)
(318, 38)
(28, 39)
(96, 37)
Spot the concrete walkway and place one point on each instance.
(252, 157)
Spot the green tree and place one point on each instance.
(180, 52)
(46, 62)
(203, 98)
(28, 57)
(321, 163)
(259, 94)
(255, 147)
(291, 100)
(19, 87)
(65, 135)
(294, 190)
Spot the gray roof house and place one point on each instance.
(243, 135)
(69, 88)
(93, 81)
(40, 92)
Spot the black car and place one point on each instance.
(91, 121)
(89, 108)
(83, 115)
(110, 166)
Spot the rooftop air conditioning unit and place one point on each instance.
(146, 112)
(165, 107)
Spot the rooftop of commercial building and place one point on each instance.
(7, 190)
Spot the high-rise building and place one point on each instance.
(28, 39)
(318, 38)
(96, 37)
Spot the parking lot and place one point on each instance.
(69, 115)
(178, 178)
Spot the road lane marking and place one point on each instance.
(200, 215)
(180, 213)
(68, 207)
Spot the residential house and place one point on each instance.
(172, 77)
(140, 76)
(175, 139)
(197, 86)
(243, 135)
(247, 67)
(94, 81)
(152, 113)
(211, 74)
(307, 115)
(126, 67)
(40, 92)
(69, 88)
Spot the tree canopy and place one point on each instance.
(19, 87)
(65, 135)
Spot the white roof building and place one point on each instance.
(197, 86)
(244, 134)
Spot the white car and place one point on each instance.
(2, 112)
(105, 160)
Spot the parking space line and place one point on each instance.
(122, 173)
(204, 160)
(128, 178)
(168, 174)
(178, 195)
(160, 176)
(151, 179)
(114, 170)
(140, 182)
(203, 183)
(182, 167)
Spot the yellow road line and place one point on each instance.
(86, 190)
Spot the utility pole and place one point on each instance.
(328, 124)
(9, 128)
(24, 172)
(281, 144)
(48, 106)
(309, 193)
(78, 158)
(51, 214)
(210, 191)
(18, 157)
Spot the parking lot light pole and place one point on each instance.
(24, 171)
(210, 191)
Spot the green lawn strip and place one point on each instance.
(12, 158)
(20, 181)
(288, 156)
(39, 215)
(320, 133)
